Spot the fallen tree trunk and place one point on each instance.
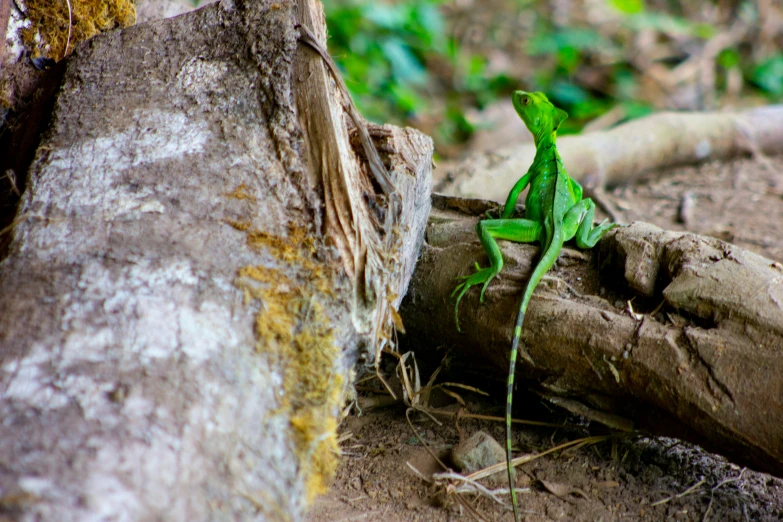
(681, 334)
(618, 155)
(199, 260)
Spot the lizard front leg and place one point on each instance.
(489, 230)
(511, 200)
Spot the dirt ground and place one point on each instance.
(636, 478)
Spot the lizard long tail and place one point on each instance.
(546, 262)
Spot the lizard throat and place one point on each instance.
(545, 140)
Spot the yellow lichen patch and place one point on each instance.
(48, 33)
(319, 436)
(241, 192)
(242, 226)
(281, 248)
(275, 323)
(314, 348)
(263, 274)
(292, 325)
(298, 247)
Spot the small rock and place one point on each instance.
(479, 451)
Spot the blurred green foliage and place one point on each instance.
(381, 49)
(402, 63)
(387, 51)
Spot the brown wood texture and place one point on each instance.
(678, 333)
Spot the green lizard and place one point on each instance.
(554, 213)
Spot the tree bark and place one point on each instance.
(681, 335)
(189, 285)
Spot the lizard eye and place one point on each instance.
(525, 101)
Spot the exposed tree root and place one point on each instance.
(681, 333)
(615, 156)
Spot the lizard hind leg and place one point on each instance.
(578, 223)
(489, 230)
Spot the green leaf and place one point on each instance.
(568, 93)
(569, 59)
(456, 127)
(628, 6)
(626, 84)
(406, 99)
(768, 75)
(386, 16)
(433, 27)
(635, 110)
(579, 39)
(406, 68)
(728, 58)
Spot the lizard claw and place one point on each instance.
(456, 308)
(481, 276)
(484, 289)
(459, 286)
(605, 226)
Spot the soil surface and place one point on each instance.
(634, 478)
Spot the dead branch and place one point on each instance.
(618, 155)
(681, 333)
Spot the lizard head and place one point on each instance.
(540, 116)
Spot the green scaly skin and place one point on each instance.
(554, 213)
